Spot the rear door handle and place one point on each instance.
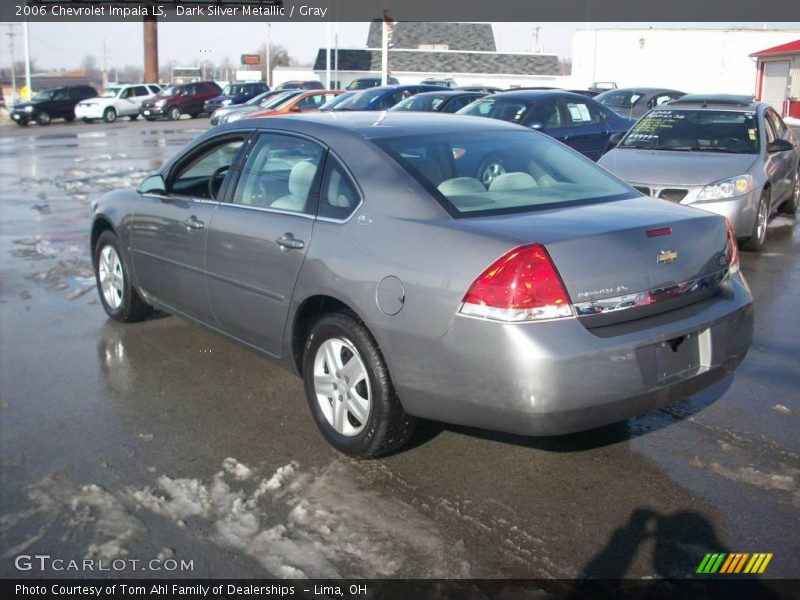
(193, 224)
(288, 242)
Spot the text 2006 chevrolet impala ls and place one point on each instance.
(361, 251)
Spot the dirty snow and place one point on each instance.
(88, 513)
(306, 523)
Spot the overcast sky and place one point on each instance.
(63, 45)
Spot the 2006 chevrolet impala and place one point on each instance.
(362, 251)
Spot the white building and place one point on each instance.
(690, 60)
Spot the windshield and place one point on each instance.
(698, 130)
(619, 98)
(169, 91)
(363, 101)
(111, 92)
(43, 95)
(258, 99)
(233, 90)
(278, 99)
(512, 110)
(336, 101)
(421, 103)
(495, 172)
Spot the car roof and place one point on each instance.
(447, 92)
(725, 101)
(376, 124)
(536, 94)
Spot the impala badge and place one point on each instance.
(667, 256)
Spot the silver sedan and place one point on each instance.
(724, 154)
(361, 251)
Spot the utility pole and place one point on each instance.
(536, 38)
(11, 35)
(105, 65)
(27, 44)
(328, 55)
(268, 55)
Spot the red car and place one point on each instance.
(305, 102)
(183, 99)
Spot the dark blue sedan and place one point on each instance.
(385, 96)
(577, 121)
(235, 93)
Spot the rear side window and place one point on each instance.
(281, 173)
(140, 90)
(496, 172)
(581, 113)
(339, 197)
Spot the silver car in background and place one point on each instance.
(724, 154)
(361, 251)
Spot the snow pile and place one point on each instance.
(299, 523)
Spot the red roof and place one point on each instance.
(782, 49)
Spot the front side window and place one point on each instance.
(280, 174)
(201, 176)
(581, 113)
(619, 98)
(111, 92)
(698, 130)
(530, 171)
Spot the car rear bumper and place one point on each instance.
(559, 377)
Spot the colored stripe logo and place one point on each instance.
(734, 563)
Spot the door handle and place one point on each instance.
(192, 224)
(288, 242)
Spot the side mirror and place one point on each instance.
(780, 145)
(615, 138)
(153, 185)
(537, 125)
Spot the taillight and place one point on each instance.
(732, 251)
(522, 285)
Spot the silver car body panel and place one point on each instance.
(539, 378)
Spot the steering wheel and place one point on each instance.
(212, 181)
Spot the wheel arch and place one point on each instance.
(100, 224)
(307, 313)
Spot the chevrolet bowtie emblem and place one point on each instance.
(667, 256)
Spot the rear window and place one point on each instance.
(701, 130)
(513, 110)
(497, 172)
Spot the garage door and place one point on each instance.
(776, 75)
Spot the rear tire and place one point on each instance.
(133, 117)
(110, 114)
(755, 243)
(790, 206)
(174, 113)
(117, 295)
(349, 390)
(70, 118)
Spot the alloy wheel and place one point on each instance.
(763, 214)
(111, 277)
(342, 387)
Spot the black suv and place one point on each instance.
(52, 103)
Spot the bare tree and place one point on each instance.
(278, 57)
(131, 74)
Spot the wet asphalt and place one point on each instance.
(160, 439)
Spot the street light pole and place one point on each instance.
(268, 55)
(27, 44)
(11, 35)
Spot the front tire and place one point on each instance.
(755, 243)
(174, 113)
(110, 114)
(349, 390)
(120, 301)
(43, 118)
(133, 117)
(790, 206)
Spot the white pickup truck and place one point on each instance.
(122, 100)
